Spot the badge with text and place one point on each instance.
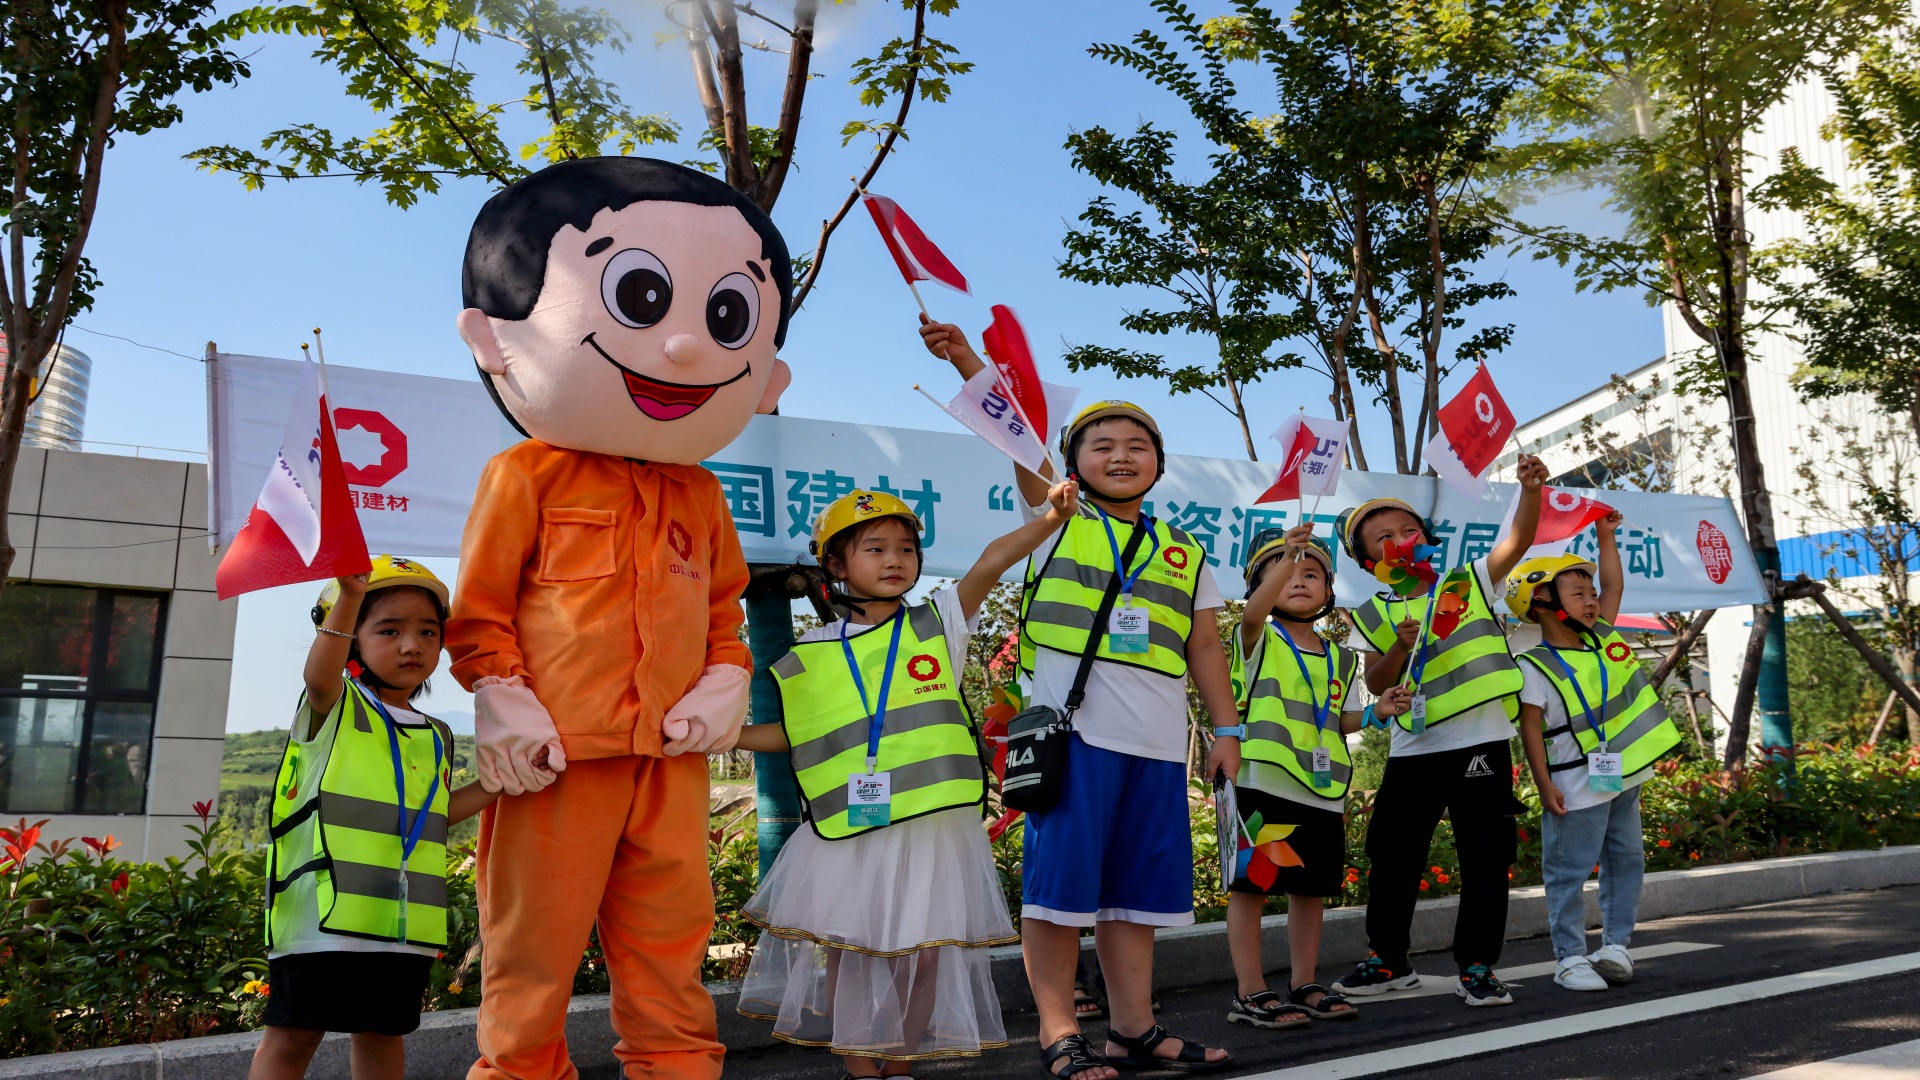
(869, 799)
(1604, 772)
(1127, 628)
(1322, 767)
(1417, 713)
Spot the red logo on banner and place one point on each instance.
(923, 668)
(1176, 557)
(1715, 553)
(393, 447)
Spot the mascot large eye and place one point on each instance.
(733, 310)
(636, 288)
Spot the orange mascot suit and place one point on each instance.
(625, 315)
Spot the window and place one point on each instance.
(79, 675)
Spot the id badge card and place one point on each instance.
(1322, 767)
(401, 930)
(869, 799)
(1417, 712)
(1127, 629)
(1603, 772)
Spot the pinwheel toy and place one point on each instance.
(1263, 850)
(1450, 606)
(1407, 569)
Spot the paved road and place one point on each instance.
(1676, 1020)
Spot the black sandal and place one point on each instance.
(1078, 1052)
(1140, 1057)
(1322, 1009)
(1267, 1009)
(1086, 1006)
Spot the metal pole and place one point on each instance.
(770, 637)
(1776, 723)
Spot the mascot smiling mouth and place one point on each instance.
(659, 399)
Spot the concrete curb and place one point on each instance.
(1184, 956)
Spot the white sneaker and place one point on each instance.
(1613, 963)
(1575, 973)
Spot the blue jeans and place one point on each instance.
(1571, 845)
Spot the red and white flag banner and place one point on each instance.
(915, 255)
(1564, 514)
(1316, 450)
(1006, 345)
(987, 409)
(1474, 425)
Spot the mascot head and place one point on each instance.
(627, 306)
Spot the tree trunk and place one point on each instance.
(1739, 724)
(1903, 659)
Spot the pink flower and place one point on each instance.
(204, 809)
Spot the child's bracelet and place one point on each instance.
(1368, 719)
(335, 633)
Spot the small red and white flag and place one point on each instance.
(1474, 426)
(1006, 345)
(987, 409)
(1316, 449)
(917, 257)
(1563, 516)
(303, 526)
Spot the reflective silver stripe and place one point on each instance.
(920, 774)
(1277, 733)
(1096, 578)
(1371, 619)
(1646, 722)
(1074, 617)
(383, 883)
(899, 720)
(339, 811)
(790, 665)
(925, 622)
(1493, 663)
(1472, 630)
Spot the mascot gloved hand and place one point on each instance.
(707, 720)
(516, 747)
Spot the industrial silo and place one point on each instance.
(59, 412)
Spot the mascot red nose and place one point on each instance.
(625, 314)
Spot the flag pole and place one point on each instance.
(930, 397)
(320, 354)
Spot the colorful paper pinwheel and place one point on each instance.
(1407, 569)
(1450, 606)
(1263, 850)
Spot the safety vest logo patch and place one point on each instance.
(1479, 767)
(923, 668)
(1175, 556)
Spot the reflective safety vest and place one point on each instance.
(1636, 723)
(1062, 596)
(927, 744)
(1277, 707)
(347, 833)
(1471, 667)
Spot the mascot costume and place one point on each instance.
(625, 315)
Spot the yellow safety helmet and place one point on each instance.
(388, 571)
(1531, 574)
(853, 508)
(1102, 410)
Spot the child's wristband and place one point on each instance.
(1368, 719)
(1238, 731)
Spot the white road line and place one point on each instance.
(1434, 986)
(1900, 1061)
(1640, 1012)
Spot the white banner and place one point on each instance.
(1681, 552)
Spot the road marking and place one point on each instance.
(1434, 986)
(1900, 1061)
(1640, 1012)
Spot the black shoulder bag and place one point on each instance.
(1037, 738)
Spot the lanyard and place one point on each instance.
(886, 683)
(1599, 729)
(1126, 579)
(409, 834)
(1418, 670)
(1321, 707)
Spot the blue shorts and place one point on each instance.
(1116, 848)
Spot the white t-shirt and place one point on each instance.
(1273, 779)
(1128, 709)
(1539, 690)
(954, 624)
(1484, 723)
(302, 928)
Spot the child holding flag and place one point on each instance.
(1113, 850)
(878, 919)
(1449, 751)
(361, 800)
(1294, 772)
(1592, 725)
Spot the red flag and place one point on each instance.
(1006, 345)
(1564, 514)
(303, 526)
(916, 256)
(1287, 484)
(1477, 423)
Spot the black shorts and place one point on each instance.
(378, 992)
(1318, 841)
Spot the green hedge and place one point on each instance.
(97, 951)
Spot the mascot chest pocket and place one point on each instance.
(575, 544)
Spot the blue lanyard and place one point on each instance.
(1599, 729)
(1419, 669)
(1127, 580)
(409, 834)
(1321, 707)
(886, 682)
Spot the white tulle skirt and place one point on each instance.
(877, 945)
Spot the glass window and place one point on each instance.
(79, 674)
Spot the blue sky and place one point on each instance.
(188, 257)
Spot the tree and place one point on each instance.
(74, 76)
(1853, 286)
(1356, 207)
(436, 125)
(1655, 100)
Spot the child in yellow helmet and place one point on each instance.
(1591, 725)
(345, 950)
(880, 915)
